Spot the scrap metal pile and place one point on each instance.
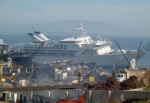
(129, 83)
(112, 84)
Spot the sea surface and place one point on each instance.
(130, 43)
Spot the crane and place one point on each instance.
(123, 54)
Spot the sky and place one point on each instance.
(128, 13)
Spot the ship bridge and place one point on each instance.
(81, 40)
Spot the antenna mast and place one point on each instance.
(33, 28)
(83, 33)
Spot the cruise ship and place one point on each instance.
(77, 49)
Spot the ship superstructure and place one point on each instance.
(77, 49)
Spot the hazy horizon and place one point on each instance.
(132, 14)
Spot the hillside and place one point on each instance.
(68, 27)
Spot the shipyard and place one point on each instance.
(74, 51)
(63, 80)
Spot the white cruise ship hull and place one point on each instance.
(100, 60)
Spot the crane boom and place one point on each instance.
(123, 54)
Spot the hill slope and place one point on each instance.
(68, 27)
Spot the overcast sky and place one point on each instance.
(129, 13)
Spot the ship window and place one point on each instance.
(36, 45)
(70, 41)
(46, 46)
(54, 46)
(61, 46)
(90, 40)
(57, 46)
(42, 47)
(97, 45)
(51, 46)
(65, 46)
(31, 47)
(101, 45)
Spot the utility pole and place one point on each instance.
(79, 75)
(1, 72)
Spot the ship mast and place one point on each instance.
(83, 33)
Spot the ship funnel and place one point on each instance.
(35, 38)
(41, 36)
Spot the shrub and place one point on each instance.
(147, 87)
